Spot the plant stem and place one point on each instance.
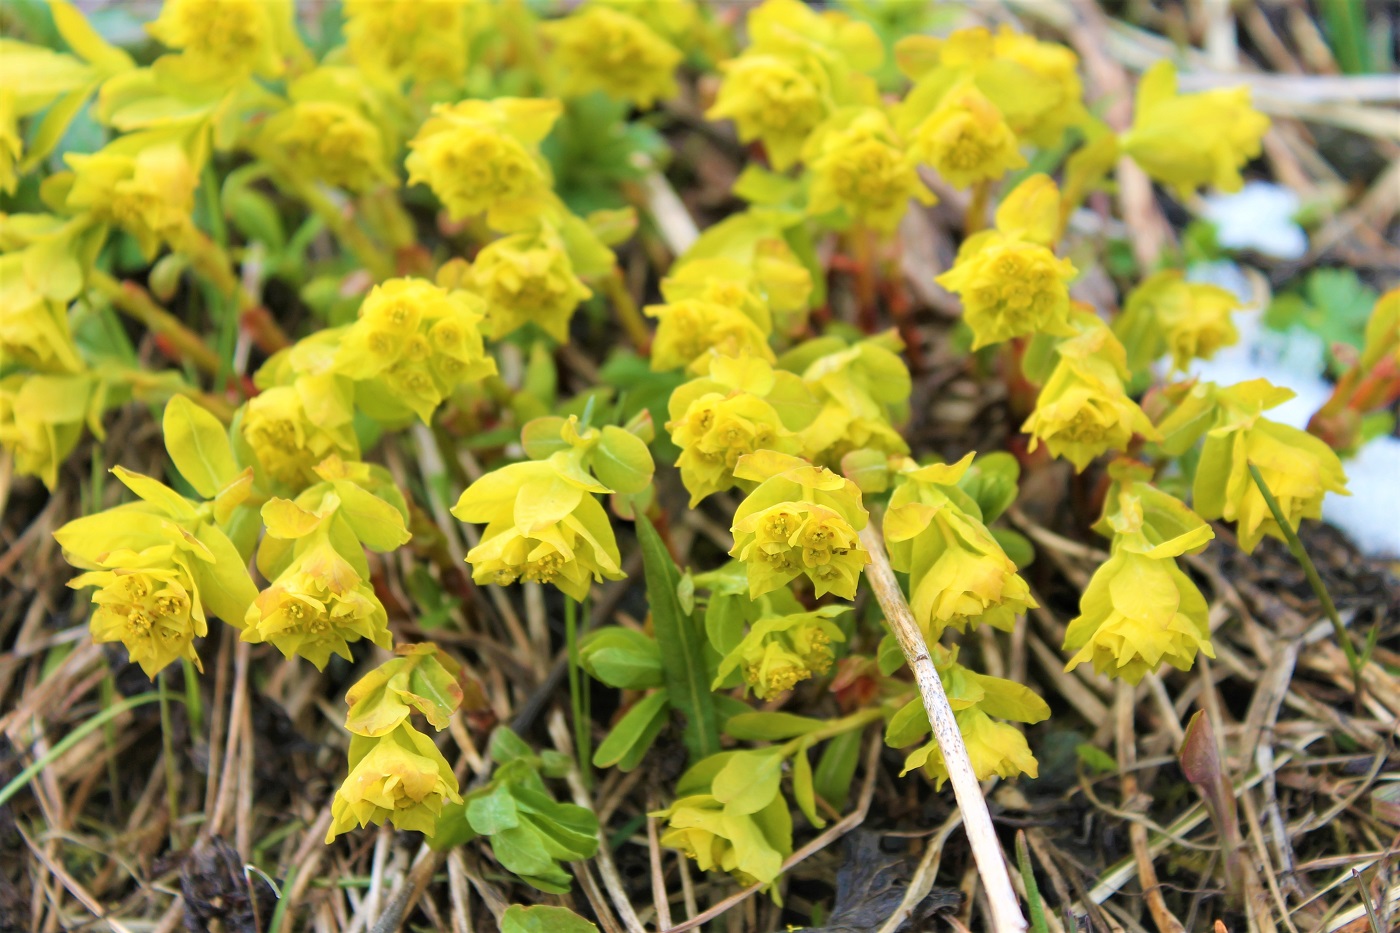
(172, 796)
(976, 218)
(628, 314)
(986, 851)
(136, 303)
(1300, 554)
(577, 686)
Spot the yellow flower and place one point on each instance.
(1166, 313)
(416, 340)
(781, 651)
(401, 777)
(228, 38)
(332, 142)
(33, 328)
(715, 420)
(316, 608)
(143, 182)
(965, 139)
(291, 429)
(483, 156)
(687, 330)
(858, 166)
(773, 100)
(792, 26)
(605, 49)
(1083, 409)
(11, 142)
(541, 526)
(1137, 613)
(959, 575)
(1298, 468)
(748, 846)
(862, 391)
(748, 248)
(527, 278)
(1010, 283)
(995, 749)
(802, 519)
(1057, 101)
(423, 40)
(41, 420)
(1190, 140)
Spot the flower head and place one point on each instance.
(750, 846)
(292, 428)
(1010, 283)
(1137, 613)
(1190, 140)
(602, 48)
(542, 525)
(800, 520)
(414, 39)
(959, 575)
(527, 278)
(483, 156)
(994, 748)
(859, 167)
(1083, 409)
(33, 327)
(42, 417)
(143, 182)
(1166, 313)
(401, 777)
(862, 390)
(332, 142)
(228, 38)
(1298, 468)
(688, 329)
(965, 139)
(781, 651)
(717, 419)
(774, 100)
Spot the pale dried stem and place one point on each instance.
(986, 851)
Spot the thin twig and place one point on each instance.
(986, 851)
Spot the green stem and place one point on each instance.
(857, 720)
(1300, 554)
(577, 689)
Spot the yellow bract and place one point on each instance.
(400, 777)
(801, 520)
(411, 38)
(228, 38)
(144, 183)
(1190, 140)
(291, 429)
(527, 278)
(1010, 282)
(604, 49)
(859, 167)
(483, 156)
(965, 139)
(1166, 313)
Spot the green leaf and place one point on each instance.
(378, 525)
(991, 482)
(908, 725)
(158, 494)
(622, 462)
(85, 41)
(199, 446)
(494, 812)
(761, 726)
(505, 746)
(837, 768)
(224, 586)
(803, 790)
(1096, 758)
(621, 657)
(889, 655)
(749, 781)
(1016, 545)
(543, 919)
(682, 658)
(629, 740)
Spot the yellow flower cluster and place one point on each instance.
(413, 40)
(336, 130)
(1083, 409)
(799, 67)
(860, 168)
(543, 523)
(959, 576)
(780, 651)
(1010, 282)
(601, 47)
(1139, 610)
(1167, 314)
(800, 520)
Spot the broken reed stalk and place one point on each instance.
(986, 851)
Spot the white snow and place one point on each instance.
(1258, 217)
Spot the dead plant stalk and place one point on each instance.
(986, 851)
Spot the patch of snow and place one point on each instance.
(1259, 217)
(1371, 514)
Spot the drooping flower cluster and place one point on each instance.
(780, 651)
(1167, 314)
(543, 523)
(1140, 610)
